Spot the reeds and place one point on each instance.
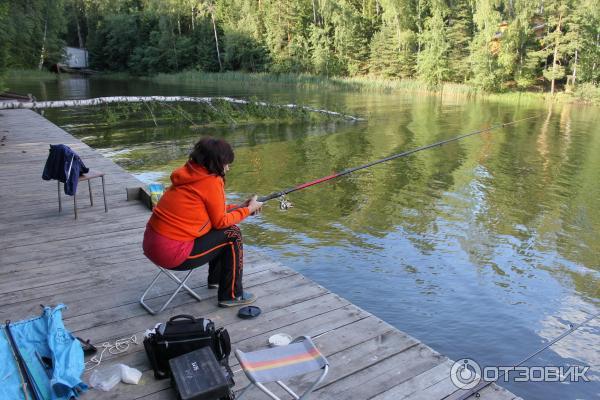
(372, 84)
(30, 74)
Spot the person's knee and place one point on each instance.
(234, 233)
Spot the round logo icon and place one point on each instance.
(465, 373)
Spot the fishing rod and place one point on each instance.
(25, 376)
(282, 193)
(484, 384)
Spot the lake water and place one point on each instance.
(485, 248)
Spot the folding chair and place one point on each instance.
(180, 285)
(300, 357)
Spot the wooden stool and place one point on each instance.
(85, 177)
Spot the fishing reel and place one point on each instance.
(284, 203)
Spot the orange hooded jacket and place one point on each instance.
(193, 205)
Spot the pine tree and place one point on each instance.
(484, 63)
(585, 64)
(432, 61)
(393, 53)
(394, 48)
(459, 34)
(556, 45)
(34, 31)
(516, 39)
(351, 36)
(324, 60)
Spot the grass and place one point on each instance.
(114, 75)
(30, 74)
(360, 84)
(585, 93)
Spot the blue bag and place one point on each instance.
(53, 358)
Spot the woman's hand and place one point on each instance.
(246, 202)
(253, 205)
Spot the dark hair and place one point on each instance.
(213, 154)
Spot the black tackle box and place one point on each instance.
(198, 376)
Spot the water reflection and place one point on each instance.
(582, 345)
(480, 248)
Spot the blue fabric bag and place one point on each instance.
(53, 358)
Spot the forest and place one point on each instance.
(494, 45)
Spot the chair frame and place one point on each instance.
(181, 285)
(272, 395)
(85, 177)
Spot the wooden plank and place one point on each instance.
(349, 361)
(102, 291)
(384, 375)
(138, 358)
(119, 255)
(491, 392)
(49, 209)
(66, 232)
(418, 383)
(103, 241)
(312, 300)
(131, 316)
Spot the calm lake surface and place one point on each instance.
(485, 248)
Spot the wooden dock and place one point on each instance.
(95, 266)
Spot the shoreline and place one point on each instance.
(585, 94)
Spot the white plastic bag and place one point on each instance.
(130, 375)
(106, 378)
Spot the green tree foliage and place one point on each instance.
(4, 42)
(243, 52)
(392, 52)
(560, 40)
(432, 60)
(32, 32)
(493, 44)
(517, 37)
(351, 36)
(394, 46)
(459, 33)
(588, 62)
(484, 62)
(324, 60)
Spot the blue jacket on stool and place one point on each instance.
(64, 165)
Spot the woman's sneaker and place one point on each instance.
(212, 285)
(245, 298)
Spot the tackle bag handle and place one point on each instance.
(224, 342)
(182, 316)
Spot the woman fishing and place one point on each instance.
(191, 226)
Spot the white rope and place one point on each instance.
(120, 346)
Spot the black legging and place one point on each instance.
(222, 249)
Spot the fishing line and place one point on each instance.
(284, 203)
(482, 385)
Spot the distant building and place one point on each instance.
(76, 57)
